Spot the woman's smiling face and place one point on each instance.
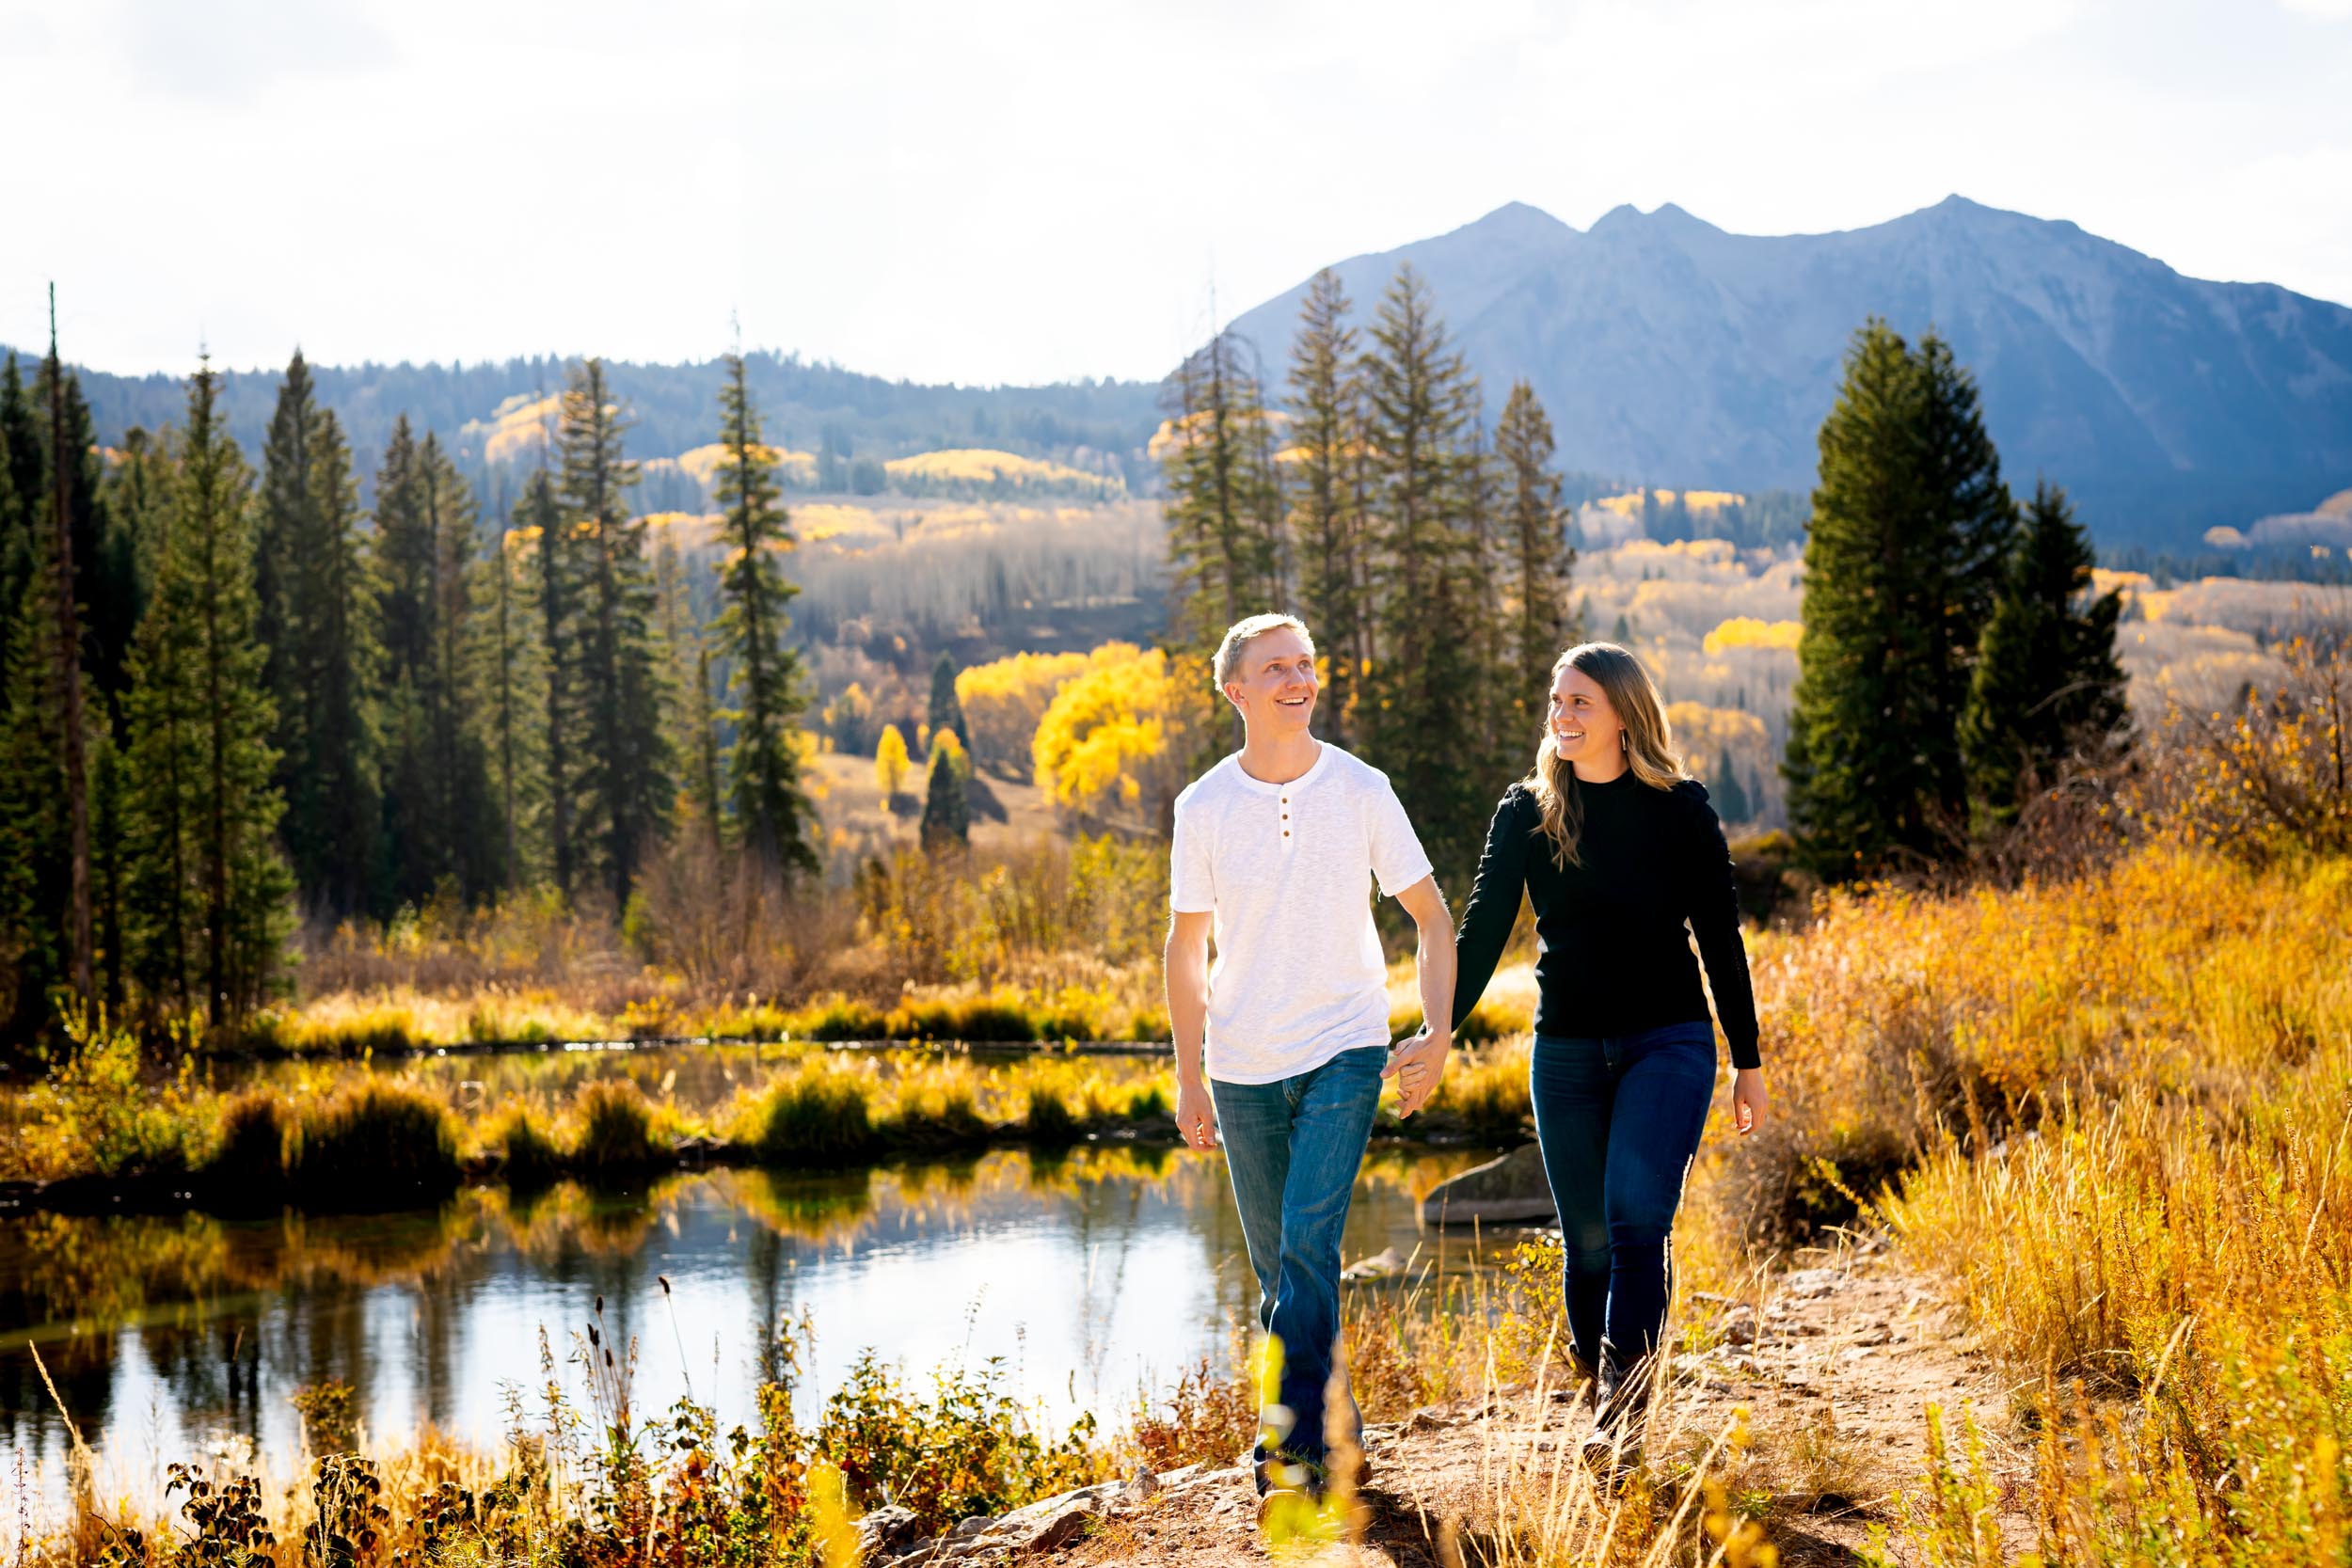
(1583, 725)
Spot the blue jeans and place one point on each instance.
(1294, 1148)
(1619, 1120)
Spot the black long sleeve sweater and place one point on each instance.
(1612, 956)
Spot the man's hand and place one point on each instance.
(1195, 1113)
(1417, 1065)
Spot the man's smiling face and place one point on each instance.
(1274, 683)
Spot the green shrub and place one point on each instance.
(249, 1156)
(813, 1113)
(376, 1141)
(529, 1158)
(989, 1019)
(1049, 1119)
(837, 1017)
(614, 1127)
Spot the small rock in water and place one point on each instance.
(1384, 1264)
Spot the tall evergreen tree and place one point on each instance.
(947, 809)
(286, 525)
(21, 491)
(1426, 729)
(555, 591)
(2047, 685)
(504, 672)
(35, 944)
(702, 760)
(211, 893)
(625, 768)
(331, 664)
(75, 520)
(435, 785)
(773, 813)
(946, 712)
(1908, 502)
(1731, 797)
(1541, 560)
(1327, 524)
(1223, 510)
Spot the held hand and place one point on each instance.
(1749, 1101)
(1417, 1065)
(1196, 1114)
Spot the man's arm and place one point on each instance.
(1187, 959)
(1418, 1065)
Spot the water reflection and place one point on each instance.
(1092, 1274)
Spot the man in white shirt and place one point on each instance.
(1277, 852)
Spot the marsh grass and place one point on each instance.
(614, 1128)
(375, 1142)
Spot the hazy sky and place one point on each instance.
(1024, 190)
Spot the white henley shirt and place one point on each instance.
(1286, 871)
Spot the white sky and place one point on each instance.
(1025, 190)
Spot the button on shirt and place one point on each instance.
(1287, 872)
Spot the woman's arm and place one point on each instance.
(1494, 905)
(1713, 902)
(1712, 899)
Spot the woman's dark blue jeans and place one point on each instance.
(1619, 1120)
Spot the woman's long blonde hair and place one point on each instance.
(1650, 743)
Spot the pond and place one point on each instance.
(1093, 1275)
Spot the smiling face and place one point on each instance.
(1584, 728)
(1274, 683)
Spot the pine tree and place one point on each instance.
(286, 525)
(554, 572)
(211, 893)
(946, 712)
(504, 669)
(702, 760)
(773, 813)
(947, 809)
(1223, 510)
(34, 849)
(1541, 561)
(1418, 400)
(626, 764)
(464, 795)
(25, 483)
(75, 519)
(1326, 525)
(331, 665)
(2046, 683)
(1909, 501)
(1731, 799)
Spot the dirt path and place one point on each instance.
(1835, 1365)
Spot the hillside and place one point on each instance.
(1670, 351)
(489, 412)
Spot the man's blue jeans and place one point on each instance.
(1294, 1148)
(1619, 1120)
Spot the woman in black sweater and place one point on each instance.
(1618, 848)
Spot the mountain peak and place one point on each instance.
(1518, 218)
(1664, 219)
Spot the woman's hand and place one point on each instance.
(1749, 1101)
(1417, 1065)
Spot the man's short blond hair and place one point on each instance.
(1243, 632)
